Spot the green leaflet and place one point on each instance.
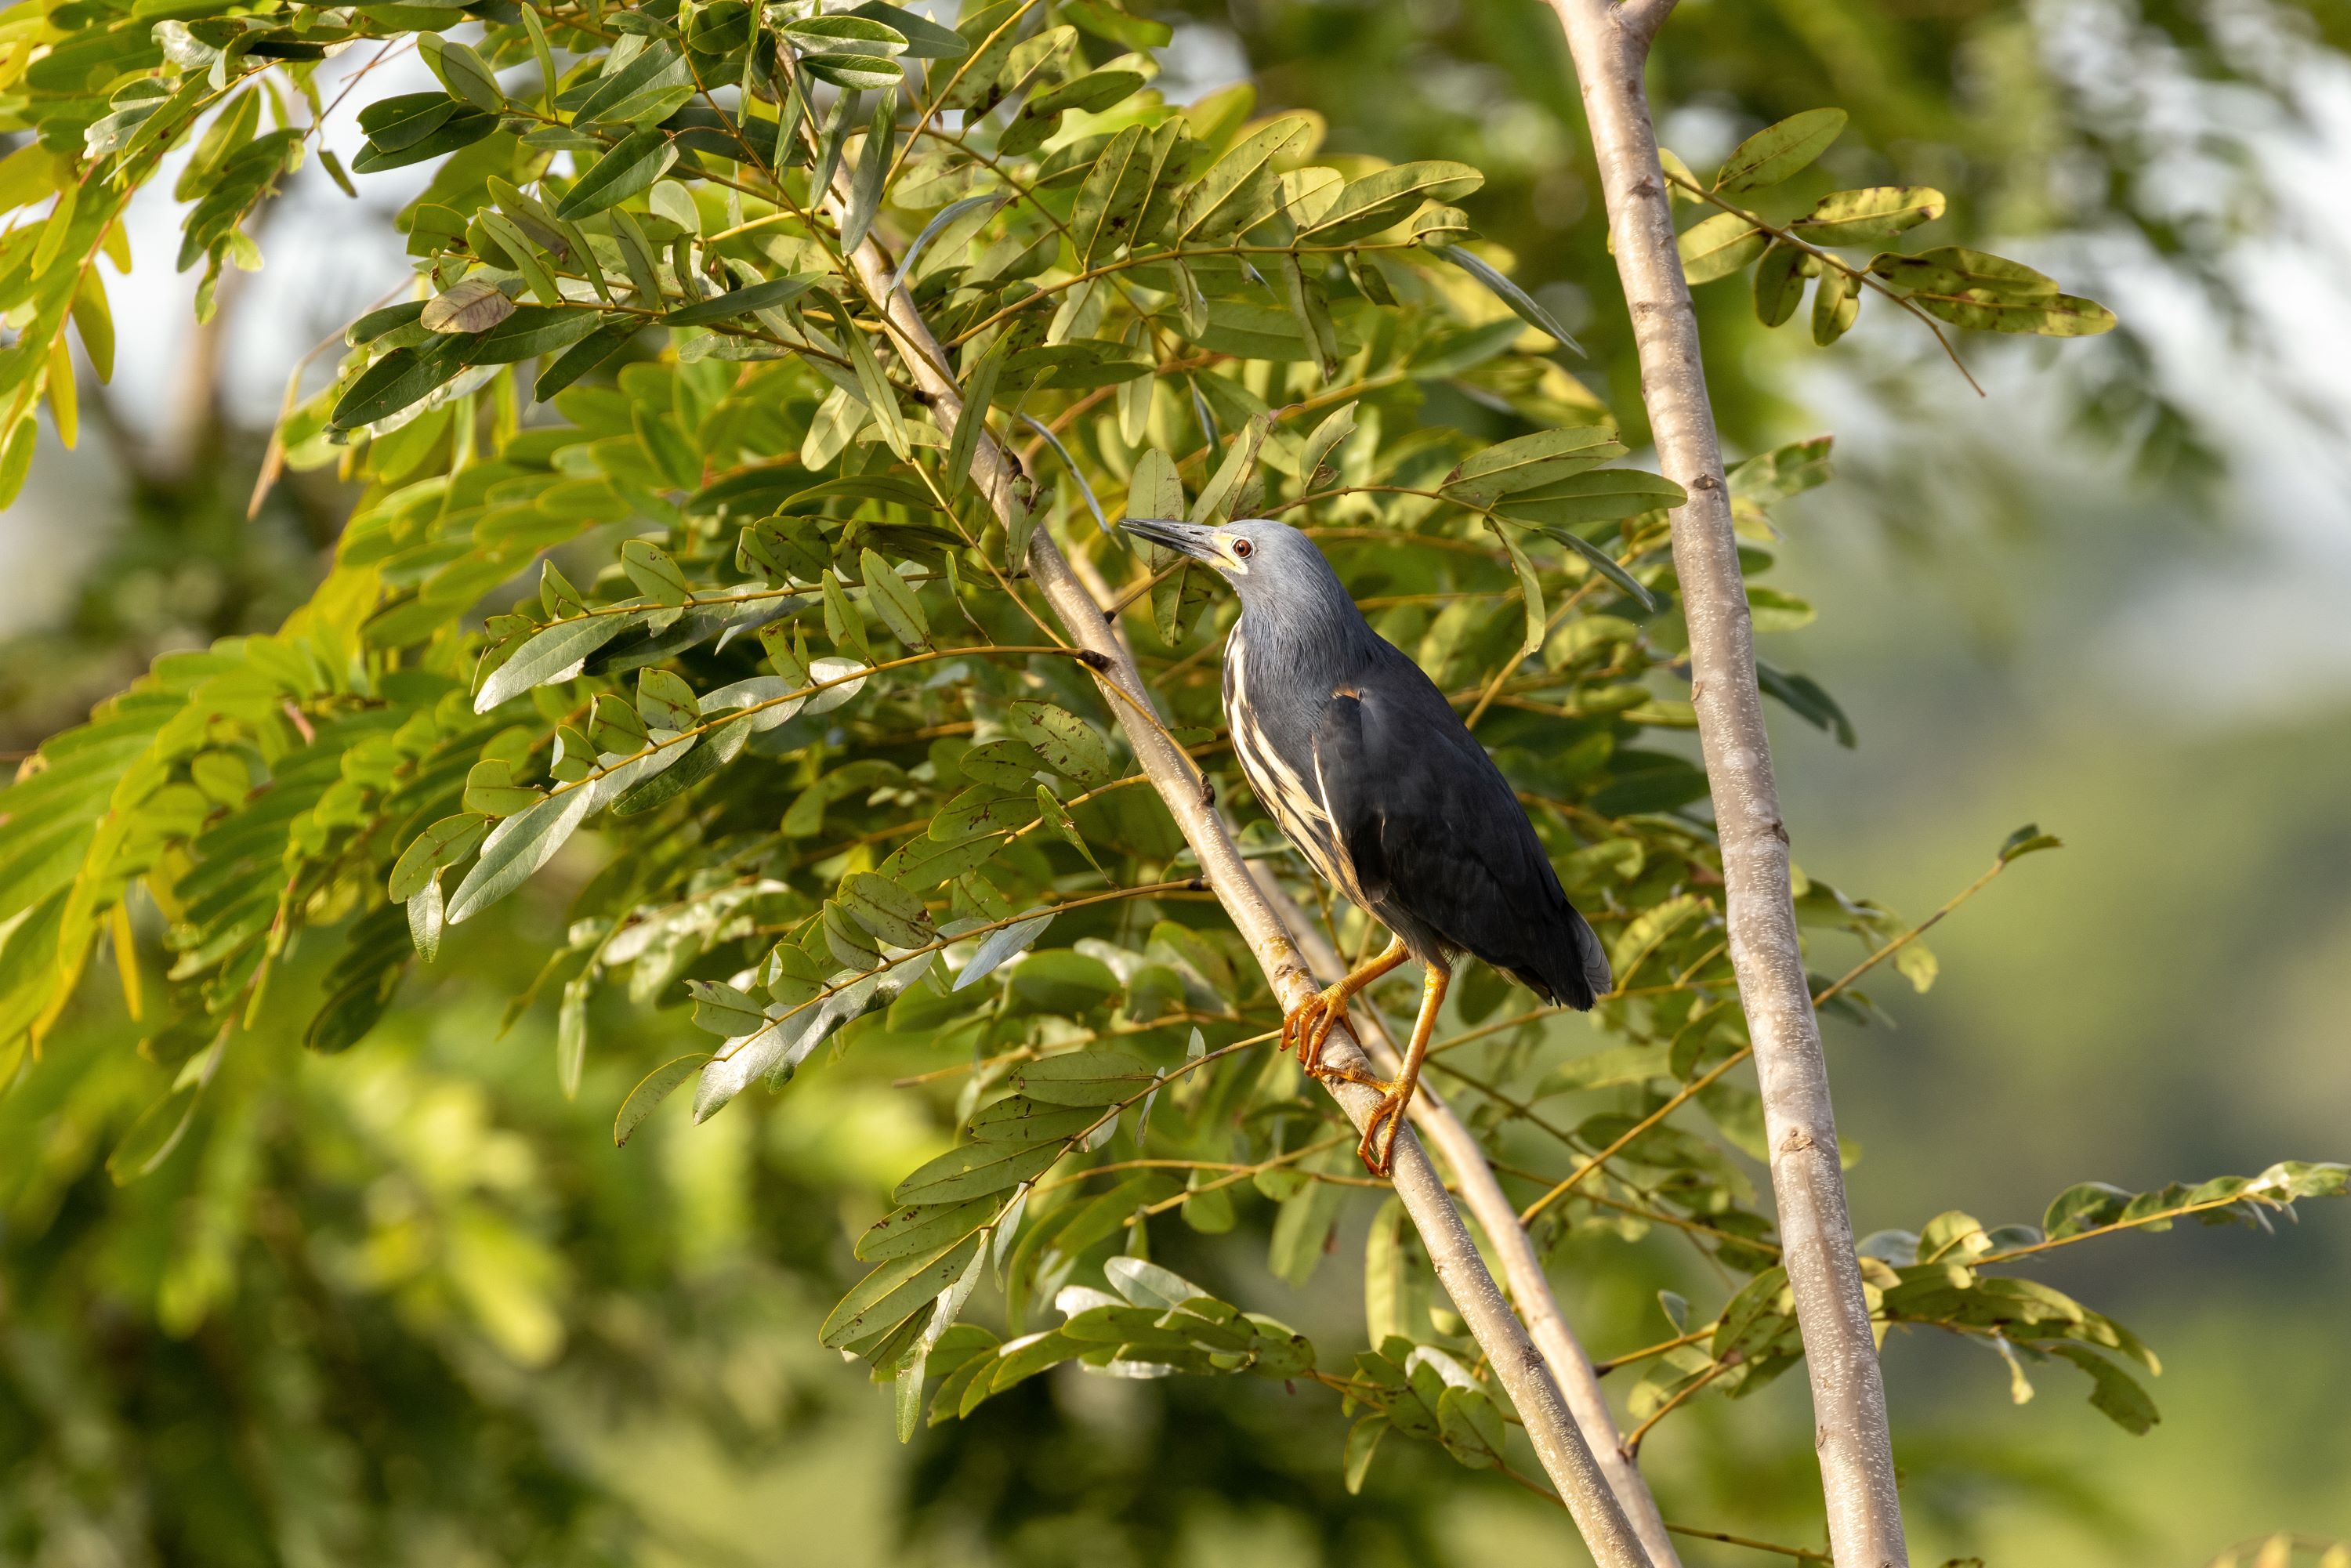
(1777, 152)
(515, 849)
(631, 165)
(582, 357)
(462, 71)
(399, 379)
(1718, 247)
(647, 1096)
(460, 128)
(1112, 196)
(714, 752)
(894, 1290)
(976, 1169)
(869, 33)
(1097, 1077)
(1242, 188)
(891, 912)
(490, 790)
(1214, 503)
(1018, 1119)
(922, 1229)
(443, 844)
(1522, 305)
(405, 119)
(759, 297)
(872, 164)
(971, 420)
(549, 654)
(1863, 216)
(725, 1011)
(1780, 282)
(1530, 461)
(657, 69)
(1069, 745)
(1530, 594)
(925, 39)
(1387, 197)
(1602, 495)
(846, 69)
(1836, 304)
(892, 597)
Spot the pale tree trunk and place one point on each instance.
(1474, 1182)
(1611, 46)
(1518, 1365)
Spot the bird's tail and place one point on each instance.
(1591, 961)
(1576, 978)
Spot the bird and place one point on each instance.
(1369, 772)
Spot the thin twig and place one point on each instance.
(1801, 1554)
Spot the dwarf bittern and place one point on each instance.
(1369, 772)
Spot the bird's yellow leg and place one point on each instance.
(1309, 1023)
(1389, 1112)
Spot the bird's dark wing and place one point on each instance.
(1437, 836)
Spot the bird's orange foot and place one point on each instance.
(1377, 1153)
(1309, 1025)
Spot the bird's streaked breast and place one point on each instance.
(1297, 806)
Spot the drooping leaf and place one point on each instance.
(1522, 304)
(1780, 282)
(999, 946)
(2115, 1392)
(650, 1092)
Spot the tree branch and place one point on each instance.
(1518, 1365)
(1611, 49)
(1474, 1179)
(1642, 18)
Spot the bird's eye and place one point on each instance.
(1243, 549)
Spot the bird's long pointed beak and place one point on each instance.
(1189, 538)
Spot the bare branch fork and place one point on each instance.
(1518, 1365)
(1610, 43)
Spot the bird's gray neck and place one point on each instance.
(1313, 643)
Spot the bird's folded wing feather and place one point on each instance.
(1430, 823)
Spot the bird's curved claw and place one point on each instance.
(1309, 1023)
(1388, 1113)
(1376, 1153)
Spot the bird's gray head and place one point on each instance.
(1275, 568)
